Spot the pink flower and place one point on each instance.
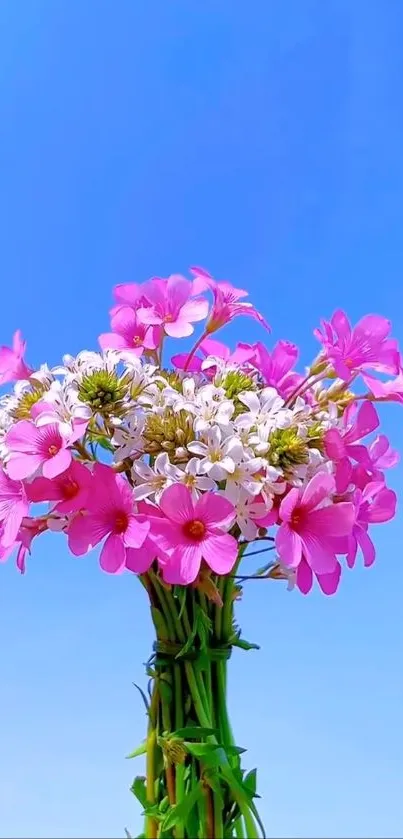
(308, 527)
(129, 294)
(340, 446)
(365, 347)
(130, 333)
(13, 507)
(31, 448)
(110, 512)
(390, 391)
(70, 489)
(380, 455)
(171, 306)
(30, 527)
(276, 366)
(241, 355)
(226, 305)
(193, 532)
(374, 505)
(12, 364)
(327, 582)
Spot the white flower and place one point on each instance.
(209, 406)
(265, 409)
(192, 477)
(128, 437)
(61, 404)
(245, 476)
(219, 456)
(153, 479)
(247, 510)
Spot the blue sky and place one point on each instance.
(263, 141)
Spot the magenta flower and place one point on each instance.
(31, 448)
(374, 505)
(365, 347)
(70, 489)
(340, 446)
(110, 513)
(12, 364)
(226, 305)
(170, 305)
(242, 354)
(129, 294)
(380, 455)
(308, 527)
(390, 391)
(130, 333)
(327, 582)
(193, 532)
(276, 367)
(13, 507)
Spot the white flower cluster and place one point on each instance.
(220, 429)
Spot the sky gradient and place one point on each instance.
(263, 141)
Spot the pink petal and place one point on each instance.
(288, 504)
(367, 546)
(318, 553)
(214, 510)
(12, 523)
(111, 341)
(184, 564)
(367, 420)
(178, 290)
(23, 465)
(195, 310)
(304, 577)
(372, 327)
(212, 347)
(57, 464)
(329, 582)
(139, 561)
(343, 475)
(341, 326)
(334, 444)
(317, 489)
(23, 436)
(41, 489)
(149, 316)
(220, 553)
(84, 533)
(383, 508)
(128, 293)
(176, 502)
(288, 545)
(335, 520)
(179, 328)
(180, 361)
(136, 532)
(113, 555)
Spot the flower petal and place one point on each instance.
(288, 544)
(220, 552)
(176, 502)
(113, 555)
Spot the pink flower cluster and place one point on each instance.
(245, 448)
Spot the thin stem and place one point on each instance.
(195, 348)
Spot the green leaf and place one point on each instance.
(250, 781)
(211, 754)
(143, 696)
(195, 732)
(244, 645)
(159, 622)
(242, 796)
(212, 779)
(141, 750)
(138, 788)
(234, 750)
(180, 812)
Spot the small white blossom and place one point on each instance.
(219, 454)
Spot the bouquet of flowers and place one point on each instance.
(176, 471)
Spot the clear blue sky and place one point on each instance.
(264, 141)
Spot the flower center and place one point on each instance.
(70, 489)
(168, 318)
(52, 450)
(195, 529)
(121, 522)
(137, 341)
(296, 519)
